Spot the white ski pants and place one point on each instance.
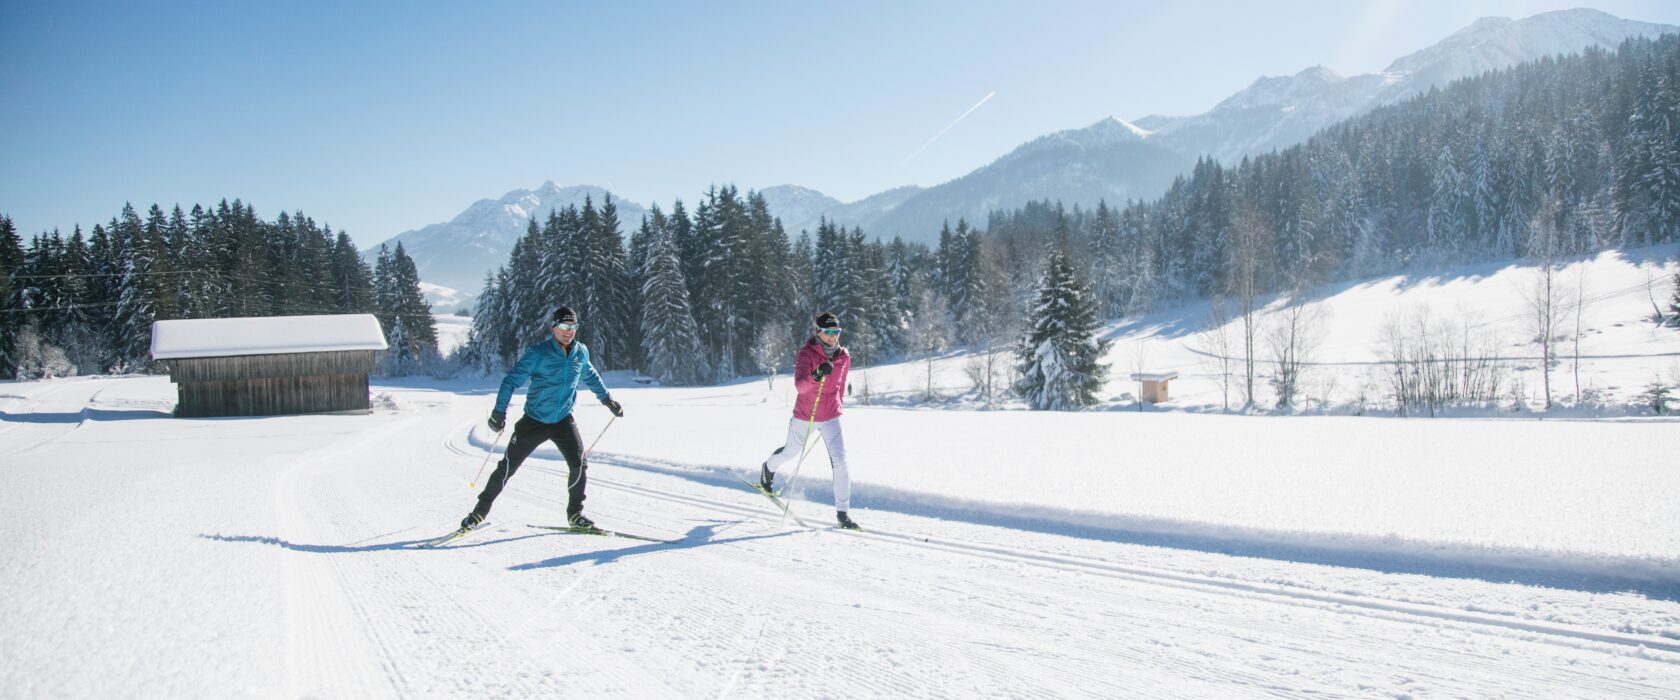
(836, 442)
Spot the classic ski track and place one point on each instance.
(706, 610)
(499, 613)
(1011, 606)
(324, 647)
(326, 493)
(1245, 627)
(1552, 632)
(31, 402)
(1559, 633)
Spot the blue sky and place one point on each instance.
(378, 117)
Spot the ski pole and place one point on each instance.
(804, 450)
(585, 457)
(474, 482)
(599, 435)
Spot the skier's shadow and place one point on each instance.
(698, 536)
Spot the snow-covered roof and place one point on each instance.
(267, 335)
(1154, 376)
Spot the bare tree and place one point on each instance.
(1545, 294)
(1140, 361)
(1214, 341)
(1580, 306)
(1295, 334)
(1245, 253)
(994, 320)
(932, 330)
(1651, 291)
(771, 349)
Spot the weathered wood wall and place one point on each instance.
(269, 385)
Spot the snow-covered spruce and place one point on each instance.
(1060, 356)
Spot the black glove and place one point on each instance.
(498, 420)
(822, 370)
(617, 410)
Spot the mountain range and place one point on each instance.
(1113, 159)
(453, 257)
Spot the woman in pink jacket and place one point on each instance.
(820, 367)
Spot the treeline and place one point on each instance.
(85, 302)
(1583, 151)
(1567, 155)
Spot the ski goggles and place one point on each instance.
(565, 326)
(829, 331)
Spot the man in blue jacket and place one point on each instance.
(554, 368)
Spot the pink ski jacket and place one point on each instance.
(834, 386)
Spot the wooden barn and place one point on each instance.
(269, 366)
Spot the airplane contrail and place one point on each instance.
(948, 127)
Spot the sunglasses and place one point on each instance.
(829, 331)
(566, 326)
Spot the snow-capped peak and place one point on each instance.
(1141, 132)
(1106, 130)
(1499, 42)
(1282, 91)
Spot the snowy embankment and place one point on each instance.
(1538, 501)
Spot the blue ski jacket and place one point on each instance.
(554, 374)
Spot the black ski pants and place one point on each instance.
(528, 434)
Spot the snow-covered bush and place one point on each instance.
(1656, 396)
(37, 359)
(1438, 363)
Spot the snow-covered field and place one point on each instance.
(452, 331)
(1012, 554)
(1107, 553)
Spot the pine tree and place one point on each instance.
(400, 357)
(77, 333)
(415, 314)
(138, 303)
(352, 281)
(1674, 306)
(11, 296)
(606, 300)
(1108, 269)
(1060, 358)
(183, 255)
(480, 351)
(669, 341)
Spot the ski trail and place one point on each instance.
(1008, 608)
(18, 434)
(504, 631)
(1551, 632)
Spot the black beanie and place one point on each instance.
(565, 314)
(827, 320)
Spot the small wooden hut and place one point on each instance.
(269, 366)
(1154, 385)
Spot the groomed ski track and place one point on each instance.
(279, 558)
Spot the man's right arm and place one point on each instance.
(516, 378)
